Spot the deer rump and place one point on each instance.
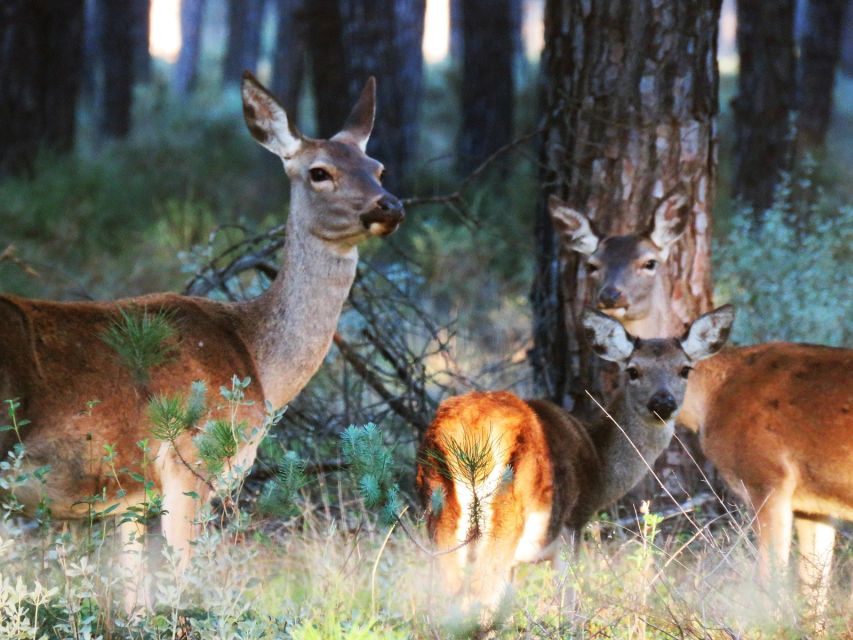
(552, 461)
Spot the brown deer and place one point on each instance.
(774, 418)
(562, 470)
(54, 358)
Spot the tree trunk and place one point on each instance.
(630, 97)
(383, 38)
(765, 101)
(141, 33)
(186, 69)
(457, 40)
(819, 52)
(289, 56)
(41, 54)
(323, 31)
(245, 18)
(847, 42)
(487, 79)
(117, 49)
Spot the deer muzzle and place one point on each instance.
(385, 217)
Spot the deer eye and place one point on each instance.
(650, 265)
(633, 373)
(685, 372)
(318, 174)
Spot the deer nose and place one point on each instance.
(391, 203)
(663, 404)
(609, 297)
(385, 217)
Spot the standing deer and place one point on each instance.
(54, 358)
(562, 469)
(774, 418)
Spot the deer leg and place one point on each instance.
(817, 541)
(131, 563)
(180, 506)
(774, 527)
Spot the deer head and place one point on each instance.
(655, 371)
(625, 271)
(337, 187)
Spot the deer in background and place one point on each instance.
(53, 357)
(562, 469)
(775, 419)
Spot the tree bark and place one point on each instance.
(41, 54)
(383, 38)
(487, 79)
(323, 31)
(117, 49)
(820, 49)
(766, 99)
(186, 69)
(245, 18)
(630, 100)
(289, 56)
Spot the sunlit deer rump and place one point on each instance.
(776, 419)
(540, 472)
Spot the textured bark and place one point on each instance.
(41, 50)
(324, 39)
(245, 18)
(117, 49)
(766, 98)
(820, 49)
(186, 69)
(289, 56)
(630, 99)
(383, 38)
(487, 79)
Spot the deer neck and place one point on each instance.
(703, 385)
(661, 321)
(621, 465)
(294, 321)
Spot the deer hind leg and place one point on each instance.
(181, 496)
(131, 562)
(817, 542)
(774, 527)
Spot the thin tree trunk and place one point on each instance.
(289, 56)
(117, 48)
(41, 53)
(383, 38)
(819, 52)
(765, 101)
(186, 69)
(245, 18)
(487, 79)
(630, 98)
(323, 31)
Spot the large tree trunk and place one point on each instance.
(245, 19)
(117, 49)
(323, 31)
(383, 38)
(487, 79)
(630, 97)
(186, 69)
(765, 101)
(289, 56)
(819, 52)
(41, 51)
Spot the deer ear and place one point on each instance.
(670, 221)
(708, 333)
(359, 124)
(573, 226)
(267, 120)
(607, 336)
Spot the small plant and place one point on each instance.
(172, 415)
(142, 341)
(290, 479)
(372, 465)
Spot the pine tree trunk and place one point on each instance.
(323, 31)
(117, 49)
(245, 18)
(819, 52)
(289, 56)
(186, 69)
(630, 97)
(383, 38)
(41, 54)
(766, 97)
(487, 79)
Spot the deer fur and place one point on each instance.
(562, 470)
(775, 418)
(53, 356)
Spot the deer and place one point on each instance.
(561, 469)
(773, 418)
(54, 360)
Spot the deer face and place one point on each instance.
(655, 372)
(625, 272)
(338, 186)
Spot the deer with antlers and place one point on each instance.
(776, 419)
(54, 359)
